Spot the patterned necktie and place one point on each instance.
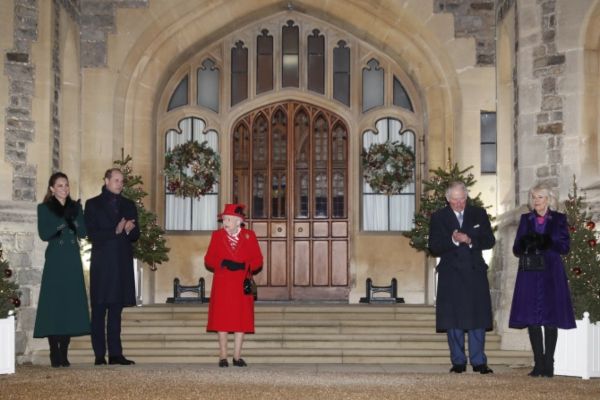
(460, 218)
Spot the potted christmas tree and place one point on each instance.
(150, 248)
(432, 199)
(9, 300)
(578, 350)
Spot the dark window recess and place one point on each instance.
(264, 62)
(180, 95)
(239, 73)
(373, 90)
(290, 55)
(488, 142)
(401, 98)
(316, 62)
(341, 73)
(208, 85)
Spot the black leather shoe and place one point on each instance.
(536, 372)
(482, 369)
(458, 368)
(100, 361)
(120, 360)
(239, 363)
(223, 363)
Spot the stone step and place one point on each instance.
(210, 337)
(291, 333)
(284, 356)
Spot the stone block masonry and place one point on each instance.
(549, 68)
(19, 126)
(474, 18)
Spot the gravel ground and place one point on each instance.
(283, 382)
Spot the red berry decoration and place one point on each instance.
(592, 242)
(576, 271)
(16, 301)
(590, 225)
(7, 272)
(572, 229)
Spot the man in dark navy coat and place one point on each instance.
(457, 234)
(112, 225)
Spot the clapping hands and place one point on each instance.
(125, 225)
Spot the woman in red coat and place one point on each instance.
(233, 254)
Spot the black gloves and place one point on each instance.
(71, 210)
(232, 265)
(536, 241)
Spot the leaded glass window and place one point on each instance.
(239, 73)
(341, 73)
(290, 55)
(401, 98)
(208, 85)
(381, 212)
(316, 62)
(373, 88)
(185, 213)
(180, 95)
(264, 62)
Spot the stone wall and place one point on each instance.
(24, 252)
(20, 128)
(97, 20)
(56, 86)
(473, 18)
(541, 68)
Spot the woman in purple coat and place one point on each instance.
(542, 298)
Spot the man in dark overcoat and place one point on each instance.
(112, 225)
(457, 235)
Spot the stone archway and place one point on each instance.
(182, 32)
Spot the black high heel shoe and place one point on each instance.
(239, 362)
(223, 363)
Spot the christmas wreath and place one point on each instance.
(191, 169)
(388, 167)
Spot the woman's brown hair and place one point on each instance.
(53, 178)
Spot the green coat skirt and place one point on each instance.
(62, 306)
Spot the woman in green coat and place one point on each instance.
(62, 307)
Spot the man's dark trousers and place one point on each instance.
(456, 342)
(113, 329)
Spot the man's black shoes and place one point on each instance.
(100, 361)
(482, 369)
(458, 368)
(120, 360)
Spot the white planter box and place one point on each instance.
(578, 350)
(7, 345)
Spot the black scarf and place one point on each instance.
(113, 200)
(58, 209)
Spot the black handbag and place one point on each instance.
(250, 285)
(532, 261)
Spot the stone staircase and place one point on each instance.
(291, 333)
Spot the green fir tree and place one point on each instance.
(9, 290)
(582, 263)
(434, 198)
(151, 247)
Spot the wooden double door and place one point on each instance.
(290, 167)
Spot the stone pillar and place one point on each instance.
(503, 273)
(19, 128)
(541, 68)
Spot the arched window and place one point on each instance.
(381, 212)
(191, 214)
(373, 86)
(180, 95)
(208, 85)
